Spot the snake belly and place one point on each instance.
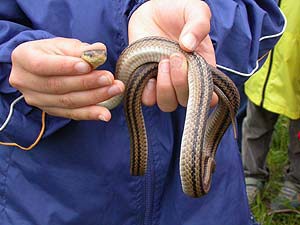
(202, 132)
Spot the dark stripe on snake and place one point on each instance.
(135, 103)
(134, 122)
(131, 128)
(152, 49)
(142, 75)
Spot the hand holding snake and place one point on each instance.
(62, 84)
(186, 22)
(138, 63)
(51, 76)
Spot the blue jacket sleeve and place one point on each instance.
(20, 124)
(243, 32)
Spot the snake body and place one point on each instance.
(202, 132)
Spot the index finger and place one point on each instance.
(48, 60)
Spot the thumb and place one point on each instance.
(197, 26)
(57, 56)
(80, 56)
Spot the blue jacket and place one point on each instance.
(78, 174)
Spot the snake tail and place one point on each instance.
(219, 121)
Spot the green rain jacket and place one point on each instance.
(276, 86)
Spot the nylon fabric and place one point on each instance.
(79, 172)
(276, 85)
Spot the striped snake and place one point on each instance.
(202, 132)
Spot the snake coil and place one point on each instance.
(202, 132)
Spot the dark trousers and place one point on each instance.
(258, 127)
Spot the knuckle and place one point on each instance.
(66, 66)
(71, 43)
(29, 100)
(207, 8)
(66, 101)
(66, 41)
(15, 55)
(75, 41)
(67, 45)
(18, 52)
(90, 115)
(79, 114)
(14, 81)
(72, 115)
(84, 83)
(54, 85)
(97, 96)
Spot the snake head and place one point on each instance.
(95, 57)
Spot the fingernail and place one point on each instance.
(151, 85)
(164, 66)
(82, 67)
(114, 90)
(104, 80)
(103, 118)
(189, 41)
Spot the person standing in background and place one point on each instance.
(274, 91)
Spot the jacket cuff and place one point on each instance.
(21, 125)
(24, 126)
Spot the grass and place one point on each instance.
(277, 161)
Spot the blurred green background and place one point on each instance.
(277, 161)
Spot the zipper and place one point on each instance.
(269, 70)
(149, 190)
(149, 181)
(279, 3)
(267, 79)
